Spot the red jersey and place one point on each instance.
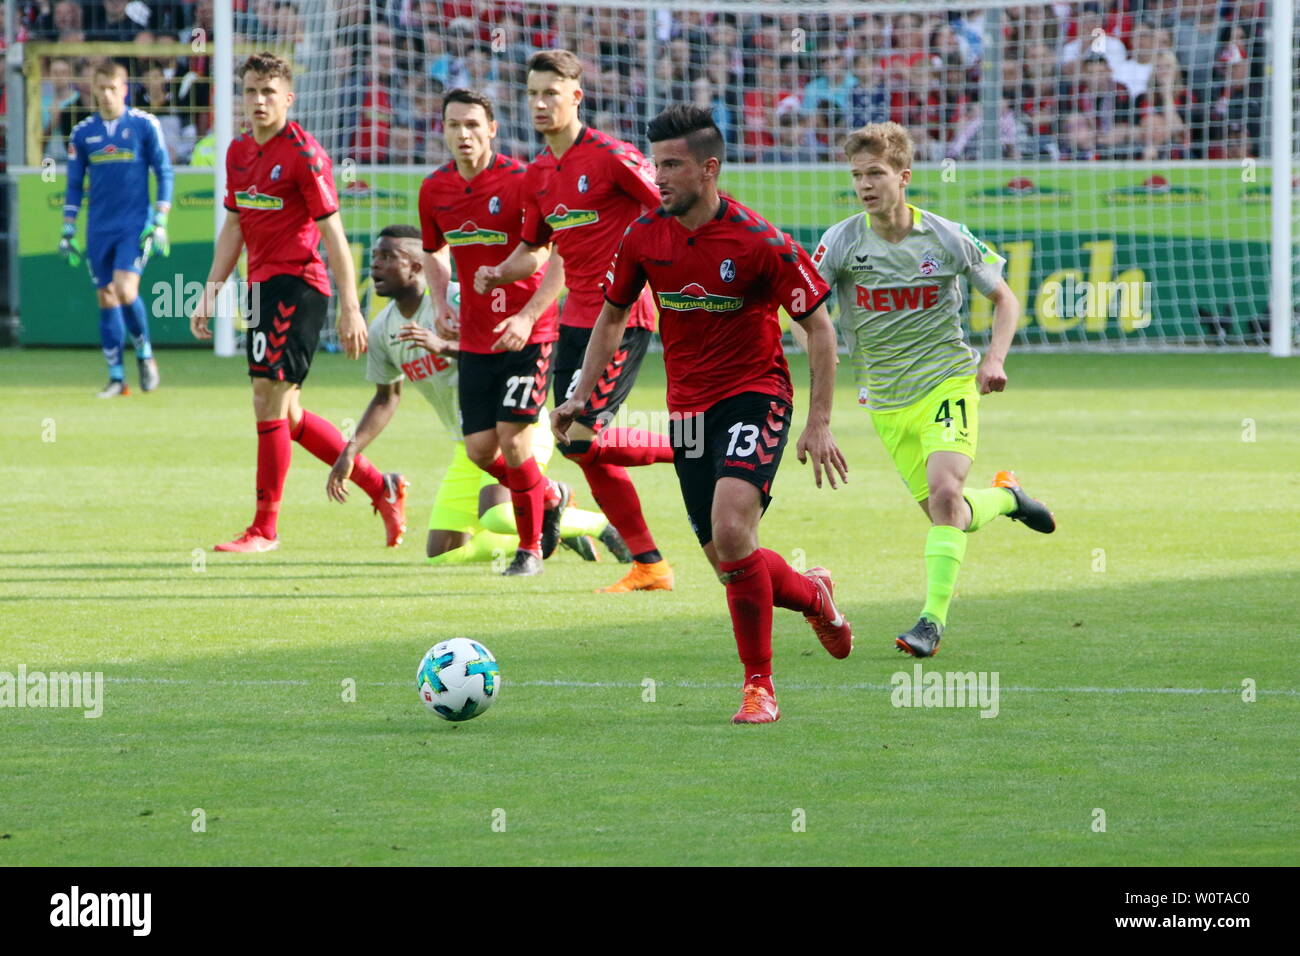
(280, 189)
(584, 202)
(718, 288)
(481, 219)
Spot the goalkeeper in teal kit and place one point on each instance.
(118, 146)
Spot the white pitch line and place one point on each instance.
(700, 685)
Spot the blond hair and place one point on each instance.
(889, 140)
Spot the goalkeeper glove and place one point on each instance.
(155, 234)
(68, 244)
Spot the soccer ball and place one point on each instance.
(458, 679)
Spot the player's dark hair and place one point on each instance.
(560, 62)
(399, 231)
(267, 64)
(692, 123)
(470, 97)
(110, 68)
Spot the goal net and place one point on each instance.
(1116, 153)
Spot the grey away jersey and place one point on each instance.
(900, 304)
(389, 361)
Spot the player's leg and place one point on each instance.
(942, 435)
(525, 481)
(130, 262)
(455, 534)
(522, 385)
(284, 339)
(271, 402)
(112, 332)
(610, 484)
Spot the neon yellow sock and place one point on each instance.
(986, 504)
(945, 546)
(576, 521)
(500, 519)
(484, 546)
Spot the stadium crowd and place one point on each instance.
(1120, 79)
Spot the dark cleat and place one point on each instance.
(525, 564)
(1030, 512)
(149, 377)
(922, 640)
(551, 519)
(611, 539)
(582, 545)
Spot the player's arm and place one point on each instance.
(817, 441)
(523, 261)
(230, 242)
(516, 330)
(605, 338)
(72, 203)
(352, 329)
(437, 270)
(992, 376)
(374, 420)
(155, 230)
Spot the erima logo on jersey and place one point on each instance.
(929, 264)
(695, 296)
(582, 183)
(112, 154)
(252, 199)
(470, 234)
(564, 218)
(727, 271)
(893, 300)
(494, 205)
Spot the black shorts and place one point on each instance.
(503, 386)
(613, 386)
(284, 326)
(739, 437)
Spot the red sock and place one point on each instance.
(616, 496)
(274, 451)
(528, 494)
(749, 598)
(790, 589)
(498, 470)
(325, 441)
(632, 447)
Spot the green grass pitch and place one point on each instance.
(1121, 644)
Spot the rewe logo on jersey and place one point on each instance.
(470, 234)
(112, 154)
(695, 296)
(250, 198)
(895, 300)
(563, 217)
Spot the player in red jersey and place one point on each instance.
(507, 337)
(583, 190)
(719, 272)
(280, 201)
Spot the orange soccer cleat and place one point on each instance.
(643, 577)
(757, 706)
(392, 507)
(250, 542)
(831, 627)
